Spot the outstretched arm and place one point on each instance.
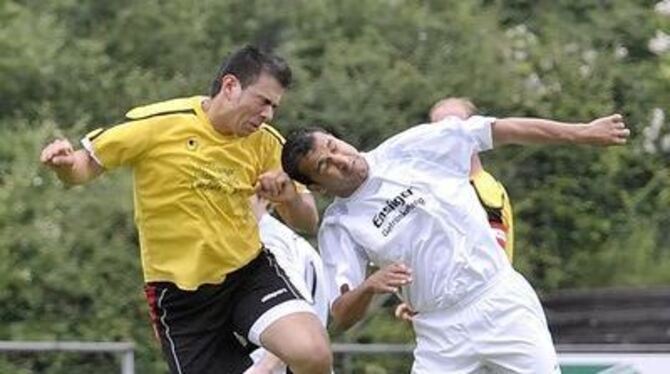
(604, 131)
(351, 306)
(72, 167)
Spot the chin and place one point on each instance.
(249, 131)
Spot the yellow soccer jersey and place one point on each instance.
(495, 201)
(191, 188)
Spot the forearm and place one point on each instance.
(538, 131)
(351, 307)
(300, 213)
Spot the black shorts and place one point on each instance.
(208, 330)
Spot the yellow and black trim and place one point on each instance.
(274, 133)
(167, 113)
(494, 213)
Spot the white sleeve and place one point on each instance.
(450, 143)
(343, 262)
(476, 131)
(315, 281)
(287, 248)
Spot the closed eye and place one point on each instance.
(266, 101)
(330, 144)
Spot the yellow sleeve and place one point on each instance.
(493, 197)
(120, 145)
(508, 221)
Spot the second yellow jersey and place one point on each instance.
(191, 189)
(493, 197)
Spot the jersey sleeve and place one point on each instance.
(508, 221)
(284, 245)
(120, 145)
(344, 263)
(476, 131)
(450, 143)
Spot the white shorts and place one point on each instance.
(502, 331)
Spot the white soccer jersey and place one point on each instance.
(417, 207)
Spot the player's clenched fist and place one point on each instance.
(276, 186)
(610, 130)
(58, 154)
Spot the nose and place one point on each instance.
(268, 112)
(340, 161)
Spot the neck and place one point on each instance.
(216, 115)
(358, 177)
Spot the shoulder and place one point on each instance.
(180, 106)
(269, 131)
(266, 138)
(334, 211)
(409, 135)
(483, 177)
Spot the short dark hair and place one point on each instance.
(298, 144)
(247, 64)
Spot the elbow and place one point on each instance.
(340, 323)
(341, 319)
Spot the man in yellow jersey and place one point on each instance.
(214, 292)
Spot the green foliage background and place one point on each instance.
(586, 217)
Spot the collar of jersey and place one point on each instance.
(197, 105)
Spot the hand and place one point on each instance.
(404, 312)
(276, 186)
(610, 130)
(58, 154)
(389, 279)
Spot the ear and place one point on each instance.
(230, 86)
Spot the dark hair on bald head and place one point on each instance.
(247, 64)
(298, 144)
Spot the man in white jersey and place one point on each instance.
(491, 193)
(408, 207)
(301, 263)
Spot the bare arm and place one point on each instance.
(604, 131)
(72, 167)
(298, 210)
(351, 306)
(300, 213)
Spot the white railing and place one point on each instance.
(646, 357)
(634, 358)
(126, 350)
